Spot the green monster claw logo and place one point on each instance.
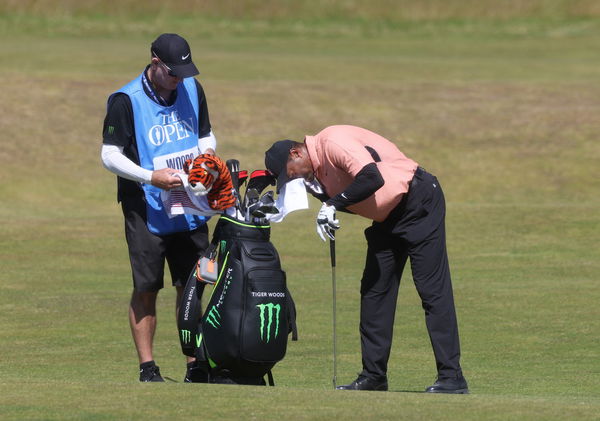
(213, 317)
(186, 336)
(269, 310)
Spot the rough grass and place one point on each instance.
(339, 9)
(315, 19)
(508, 123)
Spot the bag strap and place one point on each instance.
(190, 312)
(211, 250)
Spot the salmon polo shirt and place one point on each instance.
(338, 153)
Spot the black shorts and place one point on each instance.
(147, 251)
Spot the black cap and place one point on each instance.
(276, 160)
(175, 52)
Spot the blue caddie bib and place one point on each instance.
(166, 136)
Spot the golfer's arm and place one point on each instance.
(366, 183)
(115, 161)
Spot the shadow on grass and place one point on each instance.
(406, 391)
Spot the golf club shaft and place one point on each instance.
(332, 254)
(233, 165)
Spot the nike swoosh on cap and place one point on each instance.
(184, 57)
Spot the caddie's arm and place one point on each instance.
(116, 162)
(208, 144)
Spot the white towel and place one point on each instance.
(292, 197)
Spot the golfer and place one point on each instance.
(153, 124)
(355, 170)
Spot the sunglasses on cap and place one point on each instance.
(169, 70)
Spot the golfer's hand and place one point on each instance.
(165, 179)
(326, 222)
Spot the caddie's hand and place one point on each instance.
(165, 179)
(326, 222)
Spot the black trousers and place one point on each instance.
(415, 230)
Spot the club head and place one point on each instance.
(251, 195)
(267, 198)
(266, 205)
(250, 210)
(250, 198)
(264, 210)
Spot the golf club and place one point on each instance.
(250, 199)
(250, 196)
(332, 254)
(266, 205)
(262, 211)
(233, 165)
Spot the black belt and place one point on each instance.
(399, 209)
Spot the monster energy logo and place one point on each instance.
(213, 317)
(267, 311)
(186, 336)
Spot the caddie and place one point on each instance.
(152, 125)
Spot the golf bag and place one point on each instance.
(244, 330)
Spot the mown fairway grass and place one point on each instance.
(505, 114)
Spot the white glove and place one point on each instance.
(326, 222)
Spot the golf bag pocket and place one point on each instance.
(265, 323)
(257, 253)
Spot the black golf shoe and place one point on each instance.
(366, 383)
(150, 373)
(195, 374)
(455, 385)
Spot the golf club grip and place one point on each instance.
(332, 252)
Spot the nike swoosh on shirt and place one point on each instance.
(184, 57)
